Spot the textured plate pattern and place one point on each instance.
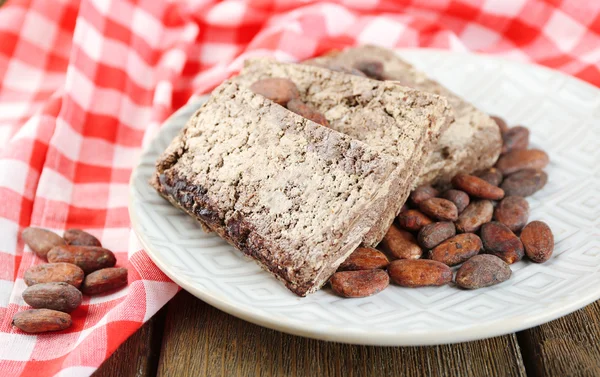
(564, 116)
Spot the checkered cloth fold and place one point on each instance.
(85, 84)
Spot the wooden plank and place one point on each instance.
(569, 346)
(202, 341)
(138, 356)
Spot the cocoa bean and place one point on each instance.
(54, 273)
(412, 220)
(501, 242)
(457, 249)
(512, 211)
(501, 123)
(400, 244)
(477, 213)
(88, 258)
(104, 280)
(514, 161)
(482, 271)
(40, 241)
(56, 296)
(524, 183)
(297, 106)
(477, 187)
(78, 237)
(419, 273)
(423, 193)
(516, 138)
(41, 320)
(433, 234)
(359, 283)
(439, 209)
(458, 197)
(538, 241)
(364, 258)
(492, 176)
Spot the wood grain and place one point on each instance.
(138, 356)
(202, 341)
(569, 346)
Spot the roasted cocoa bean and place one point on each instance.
(492, 176)
(512, 211)
(364, 258)
(501, 242)
(78, 237)
(88, 258)
(516, 138)
(433, 234)
(477, 187)
(56, 296)
(359, 283)
(412, 220)
(104, 280)
(400, 244)
(439, 209)
(458, 197)
(482, 271)
(477, 213)
(538, 241)
(41, 320)
(514, 161)
(524, 183)
(419, 273)
(40, 241)
(54, 273)
(423, 193)
(457, 249)
(371, 68)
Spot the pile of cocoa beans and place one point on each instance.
(480, 224)
(78, 264)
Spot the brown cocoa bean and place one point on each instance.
(440, 209)
(501, 123)
(512, 211)
(477, 213)
(482, 271)
(501, 242)
(41, 320)
(297, 106)
(372, 68)
(412, 220)
(419, 273)
(433, 234)
(524, 183)
(516, 138)
(458, 197)
(538, 241)
(457, 249)
(88, 258)
(277, 89)
(104, 280)
(522, 159)
(78, 237)
(40, 241)
(492, 176)
(400, 244)
(364, 258)
(54, 273)
(422, 193)
(477, 187)
(56, 296)
(359, 283)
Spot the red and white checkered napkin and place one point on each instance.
(83, 85)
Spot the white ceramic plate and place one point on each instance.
(563, 114)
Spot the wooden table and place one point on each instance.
(191, 338)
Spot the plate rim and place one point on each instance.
(340, 334)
